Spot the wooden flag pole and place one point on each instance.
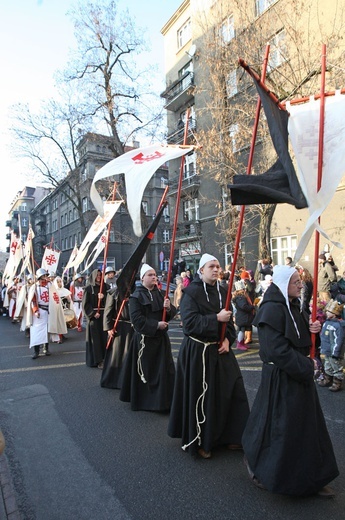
(118, 316)
(106, 250)
(242, 210)
(319, 182)
(178, 198)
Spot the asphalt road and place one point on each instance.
(76, 452)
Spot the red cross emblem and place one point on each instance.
(56, 297)
(79, 294)
(141, 158)
(51, 259)
(45, 296)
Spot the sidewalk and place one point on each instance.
(8, 505)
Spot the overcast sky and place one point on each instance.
(35, 37)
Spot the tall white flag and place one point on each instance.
(138, 166)
(304, 135)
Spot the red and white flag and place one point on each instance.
(50, 260)
(138, 166)
(97, 250)
(16, 255)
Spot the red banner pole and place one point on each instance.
(178, 198)
(319, 182)
(242, 210)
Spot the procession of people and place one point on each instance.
(284, 437)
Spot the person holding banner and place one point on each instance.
(210, 406)
(93, 308)
(118, 340)
(38, 313)
(149, 370)
(77, 291)
(286, 443)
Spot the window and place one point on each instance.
(189, 166)
(70, 216)
(55, 204)
(166, 235)
(186, 68)
(262, 5)
(281, 247)
(74, 213)
(233, 132)
(24, 206)
(184, 34)
(164, 182)
(231, 84)
(145, 206)
(191, 209)
(227, 29)
(278, 51)
(85, 204)
(54, 225)
(61, 218)
(24, 222)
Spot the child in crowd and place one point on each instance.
(245, 312)
(332, 346)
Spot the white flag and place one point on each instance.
(28, 253)
(16, 255)
(138, 166)
(97, 250)
(304, 135)
(99, 224)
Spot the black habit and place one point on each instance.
(96, 338)
(119, 345)
(286, 440)
(148, 370)
(224, 404)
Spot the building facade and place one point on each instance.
(203, 41)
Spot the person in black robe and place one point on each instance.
(149, 370)
(118, 340)
(210, 406)
(286, 443)
(96, 338)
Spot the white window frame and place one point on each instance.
(278, 50)
(145, 206)
(227, 29)
(191, 210)
(184, 34)
(233, 132)
(231, 83)
(85, 204)
(166, 235)
(262, 5)
(189, 166)
(281, 247)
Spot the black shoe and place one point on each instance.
(35, 356)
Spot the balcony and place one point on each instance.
(179, 93)
(188, 183)
(8, 236)
(176, 137)
(188, 230)
(8, 223)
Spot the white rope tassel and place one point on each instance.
(201, 399)
(139, 365)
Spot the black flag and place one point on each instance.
(280, 183)
(126, 278)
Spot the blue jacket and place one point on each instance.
(332, 338)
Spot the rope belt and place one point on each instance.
(139, 364)
(201, 397)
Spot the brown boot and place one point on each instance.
(337, 385)
(248, 337)
(326, 381)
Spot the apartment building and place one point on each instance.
(203, 40)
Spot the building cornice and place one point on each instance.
(177, 14)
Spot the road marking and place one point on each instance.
(47, 367)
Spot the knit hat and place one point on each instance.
(144, 269)
(204, 259)
(245, 275)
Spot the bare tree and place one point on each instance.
(228, 96)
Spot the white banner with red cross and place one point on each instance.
(138, 166)
(50, 260)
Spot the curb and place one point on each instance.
(8, 504)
